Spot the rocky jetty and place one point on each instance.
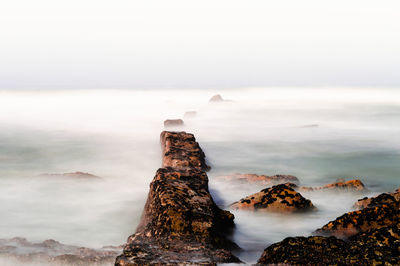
(259, 179)
(173, 123)
(51, 252)
(279, 198)
(340, 185)
(78, 175)
(180, 224)
(374, 247)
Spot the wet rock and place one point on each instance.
(279, 198)
(180, 223)
(173, 123)
(180, 150)
(374, 247)
(189, 114)
(78, 175)
(382, 199)
(51, 251)
(259, 179)
(363, 220)
(340, 185)
(216, 98)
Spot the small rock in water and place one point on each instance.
(216, 98)
(72, 175)
(340, 185)
(279, 198)
(173, 123)
(259, 179)
(382, 199)
(190, 114)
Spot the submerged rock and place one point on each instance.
(180, 223)
(80, 175)
(189, 114)
(341, 185)
(173, 123)
(53, 252)
(279, 198)
(259, 179)
(374, 247)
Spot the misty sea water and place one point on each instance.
(316, 134)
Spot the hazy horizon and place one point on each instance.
(182, 44)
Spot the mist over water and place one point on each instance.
(316, 134)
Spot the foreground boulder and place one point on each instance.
(180, 223)
(374, 247)
(279, 198)
(363, 220)
(51, 252)
(259, 179)
(173, 123)
(341, 185)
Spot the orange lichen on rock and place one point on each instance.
(279, 198)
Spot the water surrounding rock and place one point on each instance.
(374, 247)
(180, 224)
(173, 123)
(341, 185)
(258, 179)
(53, 252)
(279, 198)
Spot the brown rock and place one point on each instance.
(382, 199)
(78, 175)
(363, 220)
(180, 150)
(216, 98)
(173, 123)
(279, 198)
(259, 179)
(341, 185)
(180, 223)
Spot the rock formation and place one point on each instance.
(279, 198)
(259, 179)
(173, 123)
(180, 223)
(382, 199)
(341, 185)
(53, 252)
(374, 247)
(216, 98)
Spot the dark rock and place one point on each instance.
(173, 123)
(259, 179)
(340, 185)
(279, 198)
(382, 199)
(180, 223)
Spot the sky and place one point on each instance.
(82, 44)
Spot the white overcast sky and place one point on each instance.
(200, 44)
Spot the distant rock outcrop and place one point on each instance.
(341, 185)
(173, 123)
(279, 198)
(79, 175)
(259, 179)
(216, 98)
(180, 224)
(51, 251)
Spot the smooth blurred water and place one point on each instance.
(115, 134)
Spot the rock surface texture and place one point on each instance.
(259, 179)
(373, 247)
(279, 198)
(351, 185)
(181, 224)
